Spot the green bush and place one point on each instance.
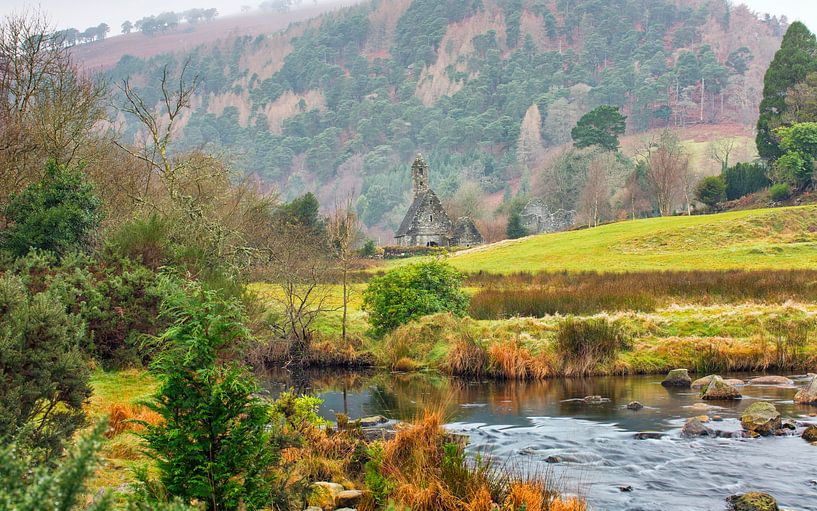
(779, 192)
(118, 300)
(45, 374)
(57, 214)
(711, 191)
(215, 445)
(743, 179)
(411, 292)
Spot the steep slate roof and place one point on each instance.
(425, 199)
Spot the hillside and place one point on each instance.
(784, 238)
(340, 104)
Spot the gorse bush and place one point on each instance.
(411, 292)
(45, 372)
(215, 445)
(585, 343)
(119, 300)
(57, 214)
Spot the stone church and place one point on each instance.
(427, 224)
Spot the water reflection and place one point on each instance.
(528, 422)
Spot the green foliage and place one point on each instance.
(368, 250)
(299, 411)
(515, 229)
(779, 192)
(31, 486)
(411, 292)
(744, 178)
(45, 374)
(799, 145)
(793, 62)
(215, 445)
(58, 213)
(380, 486)
(711, 191)
(600, 127)
(117, 299)
(303, 211)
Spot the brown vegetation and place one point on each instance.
(544, 294)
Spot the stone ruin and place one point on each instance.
(537, 218)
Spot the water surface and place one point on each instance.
(525, 423)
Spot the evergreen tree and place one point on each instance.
(601, 127)
(56, 214)
(515, 229)
(215, 445)
(796, 58)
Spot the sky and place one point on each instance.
(82, 14)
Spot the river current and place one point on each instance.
(591, 449)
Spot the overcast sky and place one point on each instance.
(85, 13)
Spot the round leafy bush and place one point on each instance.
(779, 192)
(411, 292)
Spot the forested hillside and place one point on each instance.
(340, 105)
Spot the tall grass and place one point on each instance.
(586, 343)
(544, 294)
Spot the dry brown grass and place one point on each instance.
(512, 361)
(466, 358)
(124, 417)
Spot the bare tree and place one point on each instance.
(158, 128)
(594, 201)
(48, 108)
(298, 266)
(344, 234)
(667, 169)
(721, 150)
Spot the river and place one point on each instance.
(532, 424)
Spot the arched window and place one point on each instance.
(430, 218)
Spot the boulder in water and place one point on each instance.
(634, 405)
(719, 390)
(770, 380)
(810, 434)
(649, 435)
(695, 428)
(752, 501)
(596, 400)
(807, 395)
(761, 418)
(706, 380)
(677, 378)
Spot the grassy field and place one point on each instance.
(784, 238)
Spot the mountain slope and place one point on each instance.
(339, 105)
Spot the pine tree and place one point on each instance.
(796, 58)
(515, 229)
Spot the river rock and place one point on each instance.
(368, 422)
(649, 435)
(752, 501)
(706, 380)
(719, 390)
(324, 493)
(695, 428)
(807, 395)
(348, 498)
(677, 378)
(634, 405)
(770, 380)
(595, 400)
(761, 418)
(810, 434)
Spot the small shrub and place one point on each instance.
(45, 374)
(711, 191)
(779, 192)
(411, 292)
(585, 343)
(57, 213)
